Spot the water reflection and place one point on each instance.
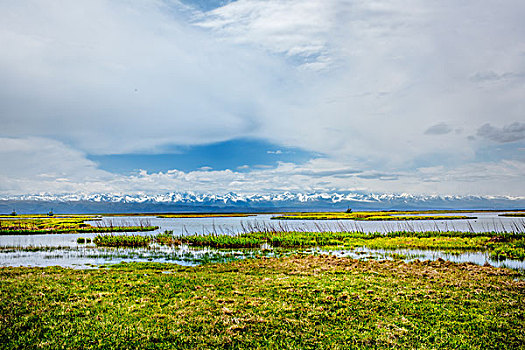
(90, 256)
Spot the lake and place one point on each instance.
(63, 249)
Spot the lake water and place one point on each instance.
(63, 249)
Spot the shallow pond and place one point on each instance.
(89, 256)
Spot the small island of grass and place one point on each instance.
(513, 215)
(373, 216)
(499, 245)
(204, 215)
(57, 224)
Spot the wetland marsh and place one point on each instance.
(319, 236)
(255, 282)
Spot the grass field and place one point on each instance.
(311, 302)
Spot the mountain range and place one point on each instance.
(234, 202)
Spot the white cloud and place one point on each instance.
(358, 81)
(32, 165)
(298, 29)
(56, 168)
(114, 77)
(389, 69)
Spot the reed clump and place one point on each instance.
(122, 240)
(511, 250)
(165, 238)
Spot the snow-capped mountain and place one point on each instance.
(188, 201)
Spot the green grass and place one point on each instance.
(300, 239)
(512, 250)
(298, 302)
(122, 240)
(501, 245)
(27, 226)
(44, 223)
(166, 238)
(490, 241)
(79, 230)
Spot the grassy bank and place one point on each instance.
(54, 225)
(296, 302)
(81, 230)
(45, 223)
(513, 215)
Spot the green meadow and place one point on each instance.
(308, 302)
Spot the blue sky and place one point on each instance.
(255, 96)
(240, 154)
(206, 5)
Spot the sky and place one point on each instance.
(253, 96)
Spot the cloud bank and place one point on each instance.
(367, 84)
(56, 168)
